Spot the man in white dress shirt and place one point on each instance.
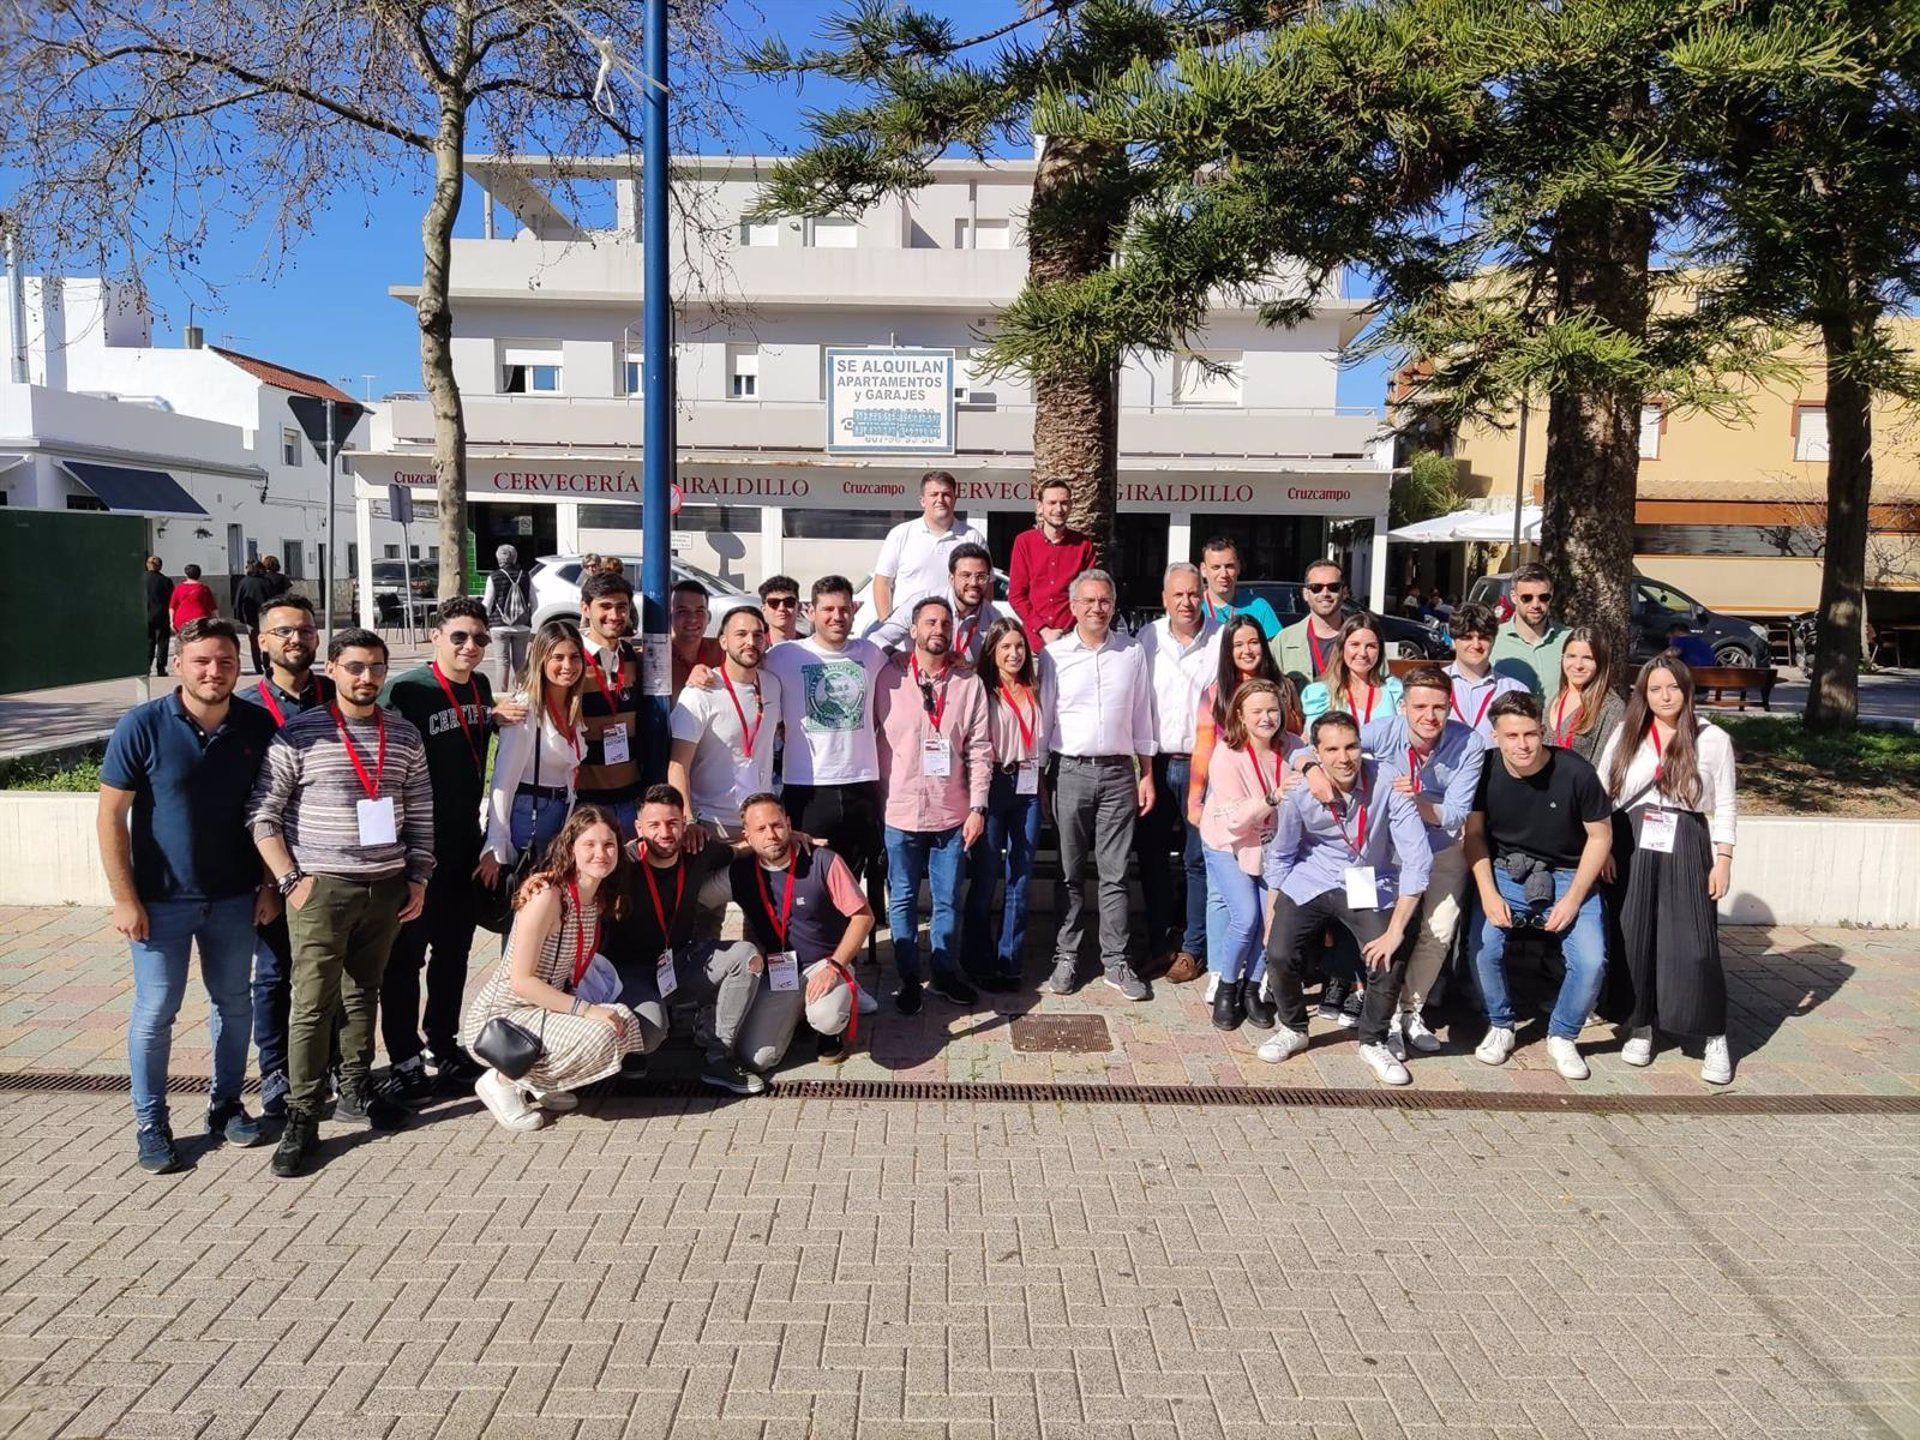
(1183, 659)
(1098, 699)
(913, 557)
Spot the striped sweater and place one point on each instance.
(308, 791)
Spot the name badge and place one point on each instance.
(1658, 827)
(377, 822)
(665, 980)
(613, 746)
(1026, 779)
(1363, 890)
(783, 971)
(936, 760)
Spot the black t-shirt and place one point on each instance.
(456, 754)
(636, 937)
(1543, 814)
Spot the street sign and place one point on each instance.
(400, 503)
(890, 402)
(676, 497)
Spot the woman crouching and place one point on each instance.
(538, 983)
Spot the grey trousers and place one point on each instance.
(721, 975)
(1095, 805)
(777, 1014)
(510, 649)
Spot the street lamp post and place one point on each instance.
(656, 524)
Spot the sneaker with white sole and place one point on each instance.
(1350, 1011)
(1639, 1047)
(1285, 1042)
(1717, 1067)
(560, 1102)
(1419, 1037)
(1566, 1058)
(1496, 1047)
(1386, 1068)
(508, 1104)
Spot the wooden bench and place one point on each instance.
(1712, 684)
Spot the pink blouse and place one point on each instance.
(1236, 815)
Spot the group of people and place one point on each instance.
(332, 840)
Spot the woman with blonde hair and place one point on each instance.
(538, 984)
(1672, 775)
(1586, 710)
(534, 766)
(1356, 679)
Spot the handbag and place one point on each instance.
(493, 904)
(510, 1047)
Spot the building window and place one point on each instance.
(85, 502)
(632, 375)
(530, 370)
(289, 445)
(1207, 379)
(290, 560)
(759, 234)
(833, 232)
(842, 524)
(1653, 424)
(743, 372)
(1810, 432)
(971, 234)
(253, 551)
(390, 552)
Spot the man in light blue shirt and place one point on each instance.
(1220, 565)
(1362, 861)
(1476, 684)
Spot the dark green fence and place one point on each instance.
(72, 595)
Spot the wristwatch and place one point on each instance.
(979, 810)
(290, 881)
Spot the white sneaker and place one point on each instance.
(1566, 1058)
(508, 1104)
(1717, 1068)
(1498, 1045)
(1385, 1066)
(1285, 1042)
(869, 1002)
(1396, 1042)
(1419, 1037)
(1639, 1047)
(560, 1102)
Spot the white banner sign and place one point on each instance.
(889, 402)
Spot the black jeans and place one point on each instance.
(846, 817)
(1292, 923)
(159, 643)
(444, 927)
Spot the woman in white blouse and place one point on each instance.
(534, 765)
(1673, 776)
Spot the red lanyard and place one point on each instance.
(1481, 713)
(1560, 735)
(1414, 763)
(371, 784)
(1024, 723)
(939, 705)
(583, 953)
(1356, 843)
(659, 911)
(778, 920)
(273, 705)
(1317, 649)
(1279, 770)
(759, 711)
(1653, 729)
(568, 733)
(600, 678)
(1372, 692)
(460, 713)
(965, 645)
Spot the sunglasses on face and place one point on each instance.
(288, 632)
(459, 639)
(1532, 597)
(783, 602)
(1321, 588)
(357, 668)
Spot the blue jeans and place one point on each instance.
(553, 818)
(224, 932)
(1243, 904)
(1174, 890)
(937, 857)
(272, 995)
(1584, 948)
(1005, 852)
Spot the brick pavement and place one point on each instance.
(1820, 1011)
(891, 1271)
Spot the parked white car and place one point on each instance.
(556, 588)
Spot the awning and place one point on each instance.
(1498, 525)
(131, 491)
(1437, 531)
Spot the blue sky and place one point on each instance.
(325, 308)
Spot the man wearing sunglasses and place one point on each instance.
(1303, 648)
(1529, 645)
(450, 702)
(780, 601)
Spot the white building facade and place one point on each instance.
(206, 444)
(1244, 437)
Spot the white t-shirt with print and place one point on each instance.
(826, 700)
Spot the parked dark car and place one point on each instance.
(1657, 608)
(1404, 637)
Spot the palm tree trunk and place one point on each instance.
(1833, 697)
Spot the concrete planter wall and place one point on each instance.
(1786, 871)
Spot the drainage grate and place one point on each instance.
(1191, 1095)
(1060, 1034)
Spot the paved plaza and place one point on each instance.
(967, 1266)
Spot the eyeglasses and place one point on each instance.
(357, 668)
(783, 602)
(288, 632)
(459, 639)
(1317, 587)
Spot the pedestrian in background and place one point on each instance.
(248, 596)
(508, 599)
(159, 591)
(174, 788)
(191, 600)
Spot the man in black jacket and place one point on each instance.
(159, 623)
(249, 596)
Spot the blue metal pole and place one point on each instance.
(656, 550)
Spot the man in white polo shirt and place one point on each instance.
(913, 557)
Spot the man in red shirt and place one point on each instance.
(1045, 561)
(190, 601)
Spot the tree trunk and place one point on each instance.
(1076, 416)
(1833, 696)
(1593, 433)
(436, 333)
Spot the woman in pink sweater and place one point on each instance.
(1248, 776)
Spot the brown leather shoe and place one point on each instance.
(1185, 967)
(1154, 966)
